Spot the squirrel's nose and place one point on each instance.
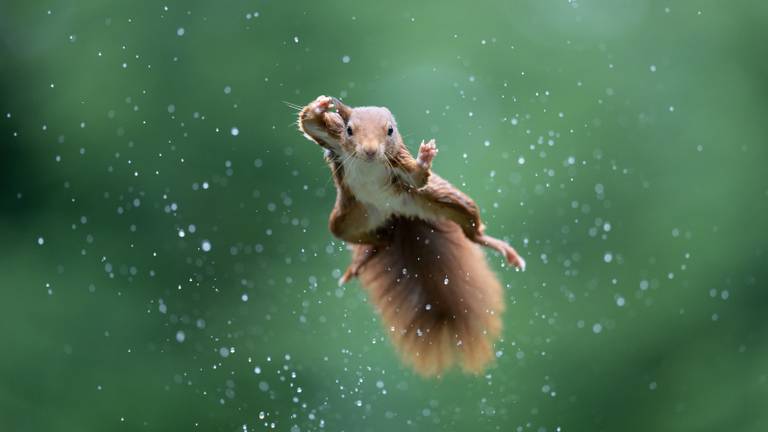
(370, 153)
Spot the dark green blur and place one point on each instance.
(621, 146)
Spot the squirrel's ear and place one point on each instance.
(344, 111)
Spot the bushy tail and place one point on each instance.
(439, 300)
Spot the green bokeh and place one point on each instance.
(620, 145)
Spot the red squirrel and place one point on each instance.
(414, 239)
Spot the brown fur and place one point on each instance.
(434, 264)
(404, 264)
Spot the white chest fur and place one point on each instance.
(371, 183)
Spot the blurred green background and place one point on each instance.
(166, 263)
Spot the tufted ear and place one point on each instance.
(344, 111)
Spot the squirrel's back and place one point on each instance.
(439, 300)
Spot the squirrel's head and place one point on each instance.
(370, 133)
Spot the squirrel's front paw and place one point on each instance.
(319, 106)
(427, 152)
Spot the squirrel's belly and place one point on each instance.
(386, 202)
(371, 183)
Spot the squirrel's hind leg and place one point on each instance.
(510, 254)
(449, 203)
(349, 220)
(361, 254)
(473, 228)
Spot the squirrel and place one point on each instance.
(414, 239)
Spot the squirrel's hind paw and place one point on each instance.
(514, 258)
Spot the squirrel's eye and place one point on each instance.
(390, 131)
(349, 130)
